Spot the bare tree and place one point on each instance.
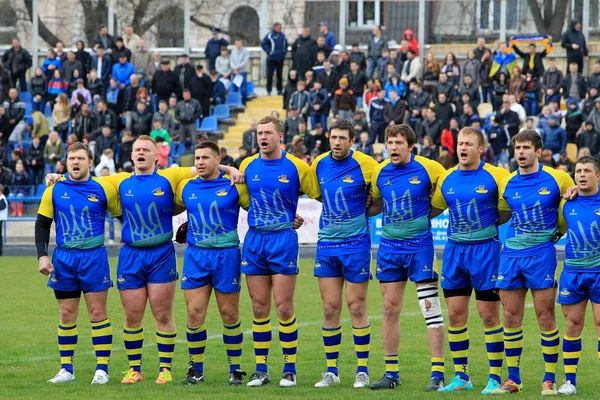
(45, 33)
(553, 18)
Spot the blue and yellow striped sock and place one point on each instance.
(67, 342)
(166, 347)
(458, 338)
(332, 340)
(550, 342)
(288, 337)
(437, 367)
(102, 339)
(362, 346)
(391, 365)
(513, 348)
(134, 341)
(196, 340)
(494, 345)
(571, 352)
(262, 336)
(233, 337)
(598, 347)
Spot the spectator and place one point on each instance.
(95, 86)
(239, 59)
(143, 95)
(242, 155)
(471, 89)
(547, 158)
(304, 53)
(430, 127)
(588, 104)
(130, 39)
(20, 179)
(317, 68)
(429, 149)
(450, 142)
(382, 65)
(515, 84)
(164, 82)
(70, 65)
(508, 118)
(393, 112)
(375, 117)
(125, 150)
(465, 119)
(107, 160)
(573, 120)
(487, 82)
(517, 107)
(531, 87)
(249, 139)
(218, 88)
(330, 80)
(141, 58)
(356, 55)
(61, 167)
(201, 88)
(17, 61)
(395, 60)
(222, 64)
(394, 84)
(165, 118)
(403, 50)
(499, 140)
(159, 131)
(81, 90)
(275, 45)
(5, 83)
(370, 93)
(343, 67)
(84, 58)
(53, 151)
(344, 104)
(359, 122)
(322, 47)
(588, 138)
(104, 39)
(431, 74)
(564, 164)
(51, 64)
(104, 117)
(104, 142)
(413, 44)
(417, 100)
(452, 70)
(444, 86)
(226, 159)
(184, 72)
(101, 62)
(363, 144)
(73, 83)
(40, 126)
(318, 105)
(480, 49)
(14, 110)
(188, 110)
(152, 66)
(39, 90)
(573, 85)
(501, 87)
(290, 126)
(16, 138)
(532, 61)
(330, 40)
(412, 69)
(300, 100)
(122, 72)
(472, 67)
(213, 47)
(35, 160)
(552, 81)
(594, 116)
(119, 51)
(61, 115)
(543, 119)
(357, 81)
(444, 110)
(574, 42)
(84, 123)
(593, 79)
(129, 99)
(376, 44)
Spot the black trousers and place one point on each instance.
(271, 67)
(22, 81)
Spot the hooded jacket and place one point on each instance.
(572, 36)
(413, 44)
(554, 138)
(304, 54)
(589, 139)
(573, 118)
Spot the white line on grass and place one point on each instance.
(149, 343)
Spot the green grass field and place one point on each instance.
(29, 354)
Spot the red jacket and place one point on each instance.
(448, 141)
(413, 44)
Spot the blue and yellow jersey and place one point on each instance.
(471, 197)
(533, 201)
(148, 202)
(213, 208)
(274, 187)
(580, 219)
(406, 190)
(78, 210)
(344, 225)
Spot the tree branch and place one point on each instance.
(540, 24)
(158, 15)
(138, 16)
(207, 26)
(548, 11)
(45, 33)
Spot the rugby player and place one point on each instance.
(531, 195)
(77, 204)
(401, 189)
(471, 256)
(580, 279)
(344, 248)
(212, 258)
(275, 180)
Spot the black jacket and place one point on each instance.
(552, 80)
(202, 90)
(141, 124)
(109, 118)
(304, 54)
(360, 59)
(103, 75)
(96, 88)
(433, 129)
(511, 119)
(23, 60)
(418, 100)
(330, 82)
(116, 54)
(357, 82)
(394, 112)
(444, 113)
(570, 37)
(85, 59)
(36, 154)
(110, 42)
(102, 144)
(589, 139)
(538, 64)
(39, 85)
(124, 153)
(84, 124)
(164, 83)
(183, 77)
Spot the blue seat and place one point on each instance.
(209, 124)
(26, 146)
(234, 99)
(28, 109)
(221, 111)
(249, 87)
(26, 97)
(39, 191)
(48, 111)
